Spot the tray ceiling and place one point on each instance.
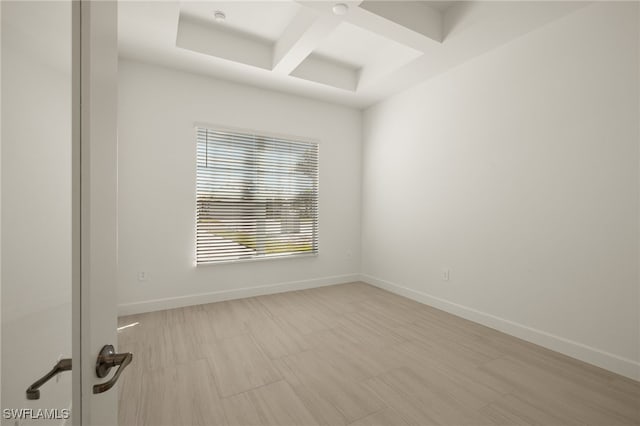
(374, 50)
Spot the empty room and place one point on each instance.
(337, 213)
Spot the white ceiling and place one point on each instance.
(261, 19)
(377, 49)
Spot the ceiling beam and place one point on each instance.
(301, 37)
(411, 23)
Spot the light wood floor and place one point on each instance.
(352, 355)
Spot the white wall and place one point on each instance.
(157, 111)
(519, 172)
(36, 201)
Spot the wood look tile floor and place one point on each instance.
(354, 355)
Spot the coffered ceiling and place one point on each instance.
(373, 50)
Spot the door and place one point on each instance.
(98, 204)
(58, 209)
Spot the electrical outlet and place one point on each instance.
(143, 276)
(446, 275)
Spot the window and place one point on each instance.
(257, 197)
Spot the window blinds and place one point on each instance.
(257, 197)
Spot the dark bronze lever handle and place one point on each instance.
(108, 359)
(33, 391)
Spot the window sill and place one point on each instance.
(256, 259)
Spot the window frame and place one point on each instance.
(263, 134)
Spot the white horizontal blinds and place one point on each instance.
(257, 196)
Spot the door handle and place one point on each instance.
(33, 391)
(107, 359)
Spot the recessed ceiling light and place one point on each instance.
(340, 8)
(219, 16)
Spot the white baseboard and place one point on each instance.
(222, 295)
(608, 361)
